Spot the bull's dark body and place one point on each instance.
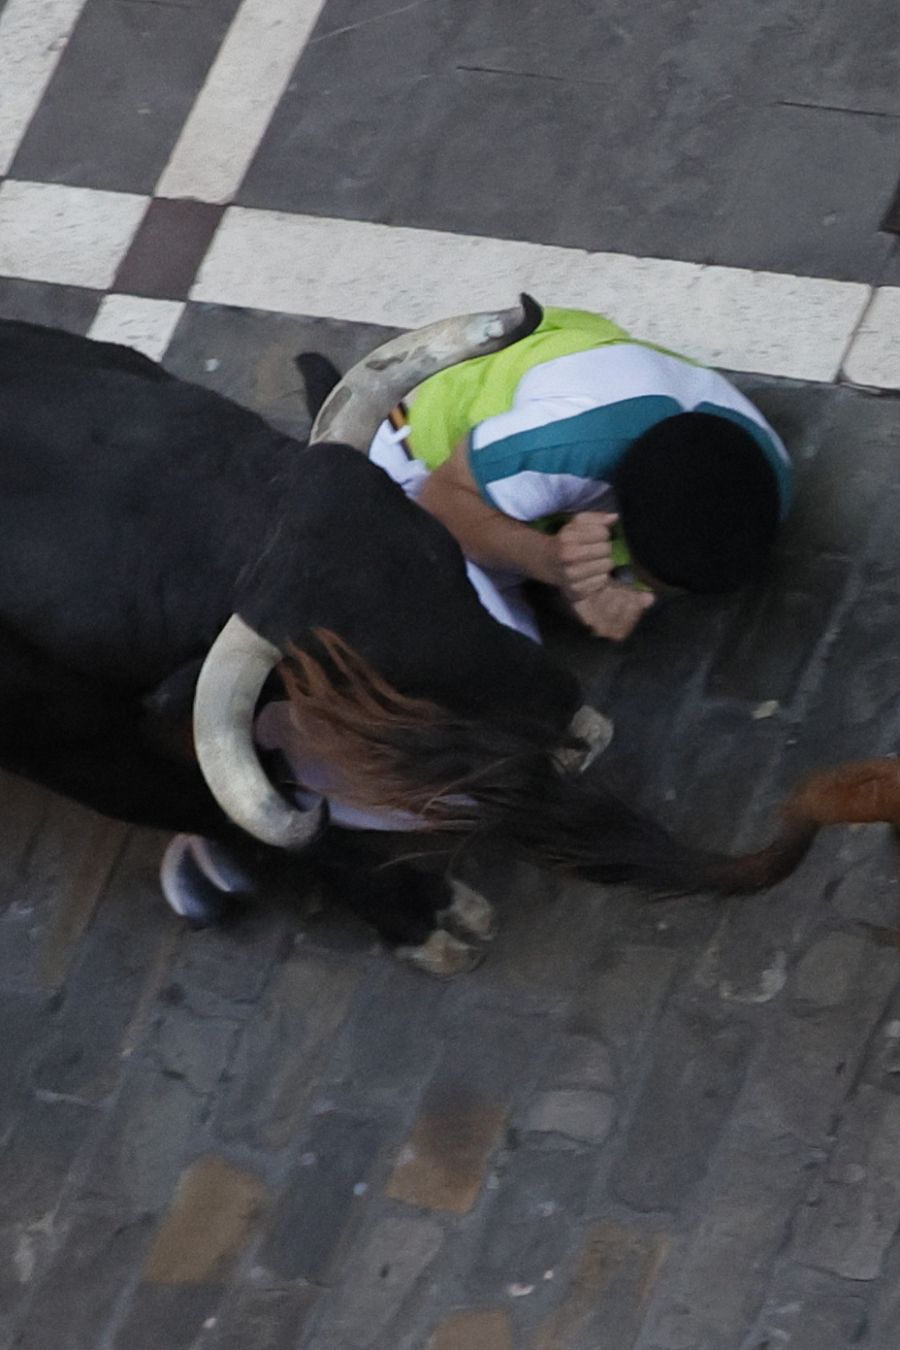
(140, 511)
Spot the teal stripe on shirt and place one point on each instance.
(588, 445)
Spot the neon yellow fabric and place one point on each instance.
(447, 406)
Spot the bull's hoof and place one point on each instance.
(188, 890)
(470, 916)
(442, 955)
(595, 730)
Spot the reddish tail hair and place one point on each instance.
(488, 778)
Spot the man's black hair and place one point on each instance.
(699, 503)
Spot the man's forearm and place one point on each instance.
(487, 536)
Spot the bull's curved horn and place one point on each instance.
(369, 390)
(229, 684)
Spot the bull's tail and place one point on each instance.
(479, 779)
(319, 378)
(865, 792)
(625, 846)
(582, 828)
(637, 849)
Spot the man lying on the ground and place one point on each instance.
(644, 472)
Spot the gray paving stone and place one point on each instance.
(381, 1276)
(57, 306)
(810, 1311)
(666, 127)
(262, 1319)
(607, 1291)
(749, 958)
(882, 1062)
(23, 1018)
(167, 249)
(699, 1063)
(126, 1178)
(60, 881)
(249, 356)
(864, 890)
(842, 168)
(654, 691)
(714, 1281)
(192, 1050)
(169, 1316)
(852, 715)
(716, 766)
(339, 141)
(118, 967)
(512, 1051)
(621, 1000)
(87, 1283)
(543, 946)
(801, 414)
(529, 1223)
(575, 1113)
(775, 634)
(387, 1046)
(324, 1197)
(841, 485)
(146, 1138)
(853, 1211)
(827, 973)
(583, 1062)
(806, 1066)
(890, 273)
(36, 1158)
(884, 1309)
(268, 1091)
(120, 135)
(461, 179)
(219, 968)
(838, 56)
(25, 810)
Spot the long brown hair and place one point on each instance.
(489, 779)
(391, 751)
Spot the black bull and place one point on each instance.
(141, 511)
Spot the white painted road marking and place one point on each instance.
(764, 322)
(70, 235)
(235, 105)
(33, 37)
(874, 355)
(137, 322)
(767, 323)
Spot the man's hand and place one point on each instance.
(585, 563)
(584, 555)
(577, 561)
(614, 611)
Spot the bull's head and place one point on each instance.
(241, 659)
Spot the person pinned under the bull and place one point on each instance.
(645, 471)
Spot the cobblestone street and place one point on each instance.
(668, 1125)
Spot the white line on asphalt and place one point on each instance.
(242, 90)
(137, 322)
(73, 236)
(771, 323)
(874, 356)
(33, 36)
(765, 322)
